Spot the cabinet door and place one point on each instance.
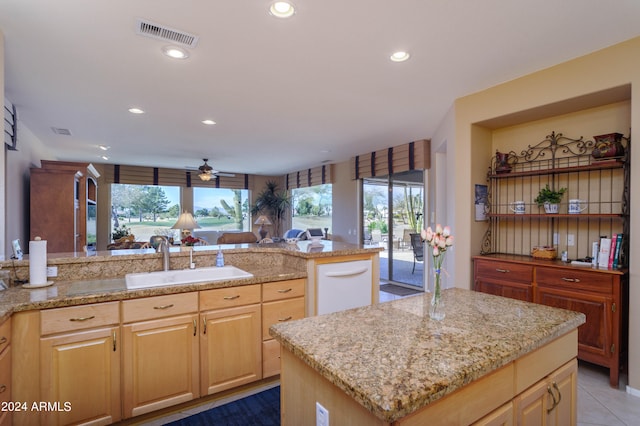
(230, 348)
(552, 401)
(160, 363)
(564, 383)
(82, 369)
(595, 334)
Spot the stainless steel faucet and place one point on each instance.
(163, 248)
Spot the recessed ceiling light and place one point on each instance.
(282, 9)
(208, 122)
(400, 56)
(104, 147)
(136, 111)
(104, 157)
(175, 52)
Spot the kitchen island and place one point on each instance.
(490, 360)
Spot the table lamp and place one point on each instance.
(186, 223)
(262, 221)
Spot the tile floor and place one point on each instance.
(598, 403)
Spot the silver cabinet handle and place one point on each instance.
(285, 290)
(164, 306)
(231, 297)
(504, 271)
(285, 319)
(82, 318)
(571, 280)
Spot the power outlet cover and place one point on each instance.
(322, 415)
(52, 271)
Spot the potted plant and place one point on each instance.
(273, 203)
(549, 198)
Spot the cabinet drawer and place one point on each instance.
(283, 290)
(159, 306)
(504, 271)
(5, 334)
(79, 317)
(229, 297)
(270, 358)
(280, 311)
(583, 280)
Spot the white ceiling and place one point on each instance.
(286, 94)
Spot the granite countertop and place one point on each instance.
(393, 359)
(80, 292)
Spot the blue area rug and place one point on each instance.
(261, 409)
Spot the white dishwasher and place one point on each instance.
(344, 285)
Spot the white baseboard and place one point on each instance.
(632, 391)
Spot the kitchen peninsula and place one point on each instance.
(491, 360)
(88, 340)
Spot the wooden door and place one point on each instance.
(230, 348)
(594, 336)
(160, 363)
(81, 372)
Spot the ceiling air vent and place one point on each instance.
(59, 131)
(160, 32)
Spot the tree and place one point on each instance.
(153, 200)
(235, 210)
(202, 212)
(273, 203)
(174, 210)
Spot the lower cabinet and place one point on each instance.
(282, 301)
(230, 339)
(602, 295)
(551, 401)
(5, 371)
(160, 352)
(80, 364)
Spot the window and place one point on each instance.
(221, 209)
(144, 210)
(311, 207)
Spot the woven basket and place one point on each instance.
(544, 252)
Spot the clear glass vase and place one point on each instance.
(436, 309)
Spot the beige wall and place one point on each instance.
(346, 212)
(601, 78)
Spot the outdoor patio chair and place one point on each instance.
(418, 251)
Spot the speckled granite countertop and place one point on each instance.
(69, 293)
(99, 276)
(393, 359)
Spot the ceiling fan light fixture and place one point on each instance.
(282, 9)
(206, 171)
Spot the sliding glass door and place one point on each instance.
(393, 210)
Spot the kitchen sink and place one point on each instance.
(184, 276)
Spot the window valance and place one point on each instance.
(139, 175)
(309, 177)
(410, 156)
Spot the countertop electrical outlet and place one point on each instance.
(52, 271)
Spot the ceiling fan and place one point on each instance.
(207, 172)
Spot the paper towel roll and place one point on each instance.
(38, 262)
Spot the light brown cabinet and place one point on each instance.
(5, 370)
(62, 205)
(281, 301)
(599, 294)
(160, 352)
(80, 364)
(550, 402)
(231, 338)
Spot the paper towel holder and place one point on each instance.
(17, 250)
